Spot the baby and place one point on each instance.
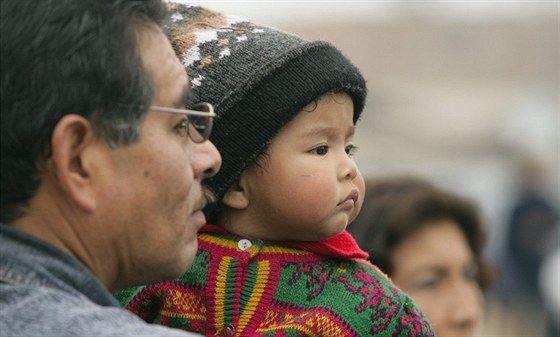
(275, 258)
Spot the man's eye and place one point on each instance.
(182, 128)
(320, 150)
(351, 150)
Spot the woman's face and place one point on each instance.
(436, 267)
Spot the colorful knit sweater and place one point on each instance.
(240, 287)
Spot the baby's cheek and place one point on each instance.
(361, 185)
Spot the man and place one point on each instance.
(101, 165)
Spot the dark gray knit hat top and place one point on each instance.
(258, 79)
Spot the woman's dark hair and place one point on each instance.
(397, 207)
(62, 57)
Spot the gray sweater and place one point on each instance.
(46, 292)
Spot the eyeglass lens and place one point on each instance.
(200, 127)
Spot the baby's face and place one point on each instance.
(308, 187)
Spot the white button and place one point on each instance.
(243, 244)
(228, 330)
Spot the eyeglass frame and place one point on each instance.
(210, 115)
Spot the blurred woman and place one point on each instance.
(430, 242)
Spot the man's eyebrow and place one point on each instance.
(187, 97)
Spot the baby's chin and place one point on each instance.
(316, 234)
(315, 237)
(329, 234)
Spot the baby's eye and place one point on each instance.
(182, 128)
(320, 150)
(351, 150)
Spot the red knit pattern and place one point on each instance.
(268, 289)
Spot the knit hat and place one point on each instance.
(258, 79)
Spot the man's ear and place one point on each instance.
(237, 196)
(72, 139)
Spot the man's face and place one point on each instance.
(153, 194)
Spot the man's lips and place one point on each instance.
(199, 219)
(198, 215)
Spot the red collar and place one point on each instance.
(341, 245)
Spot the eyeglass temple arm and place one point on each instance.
(210, 113)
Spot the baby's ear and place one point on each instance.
(236, 196)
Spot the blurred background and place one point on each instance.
(466, 93)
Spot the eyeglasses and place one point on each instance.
(200, 120)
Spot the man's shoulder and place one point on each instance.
(37, 311)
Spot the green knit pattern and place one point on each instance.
(273, 290)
